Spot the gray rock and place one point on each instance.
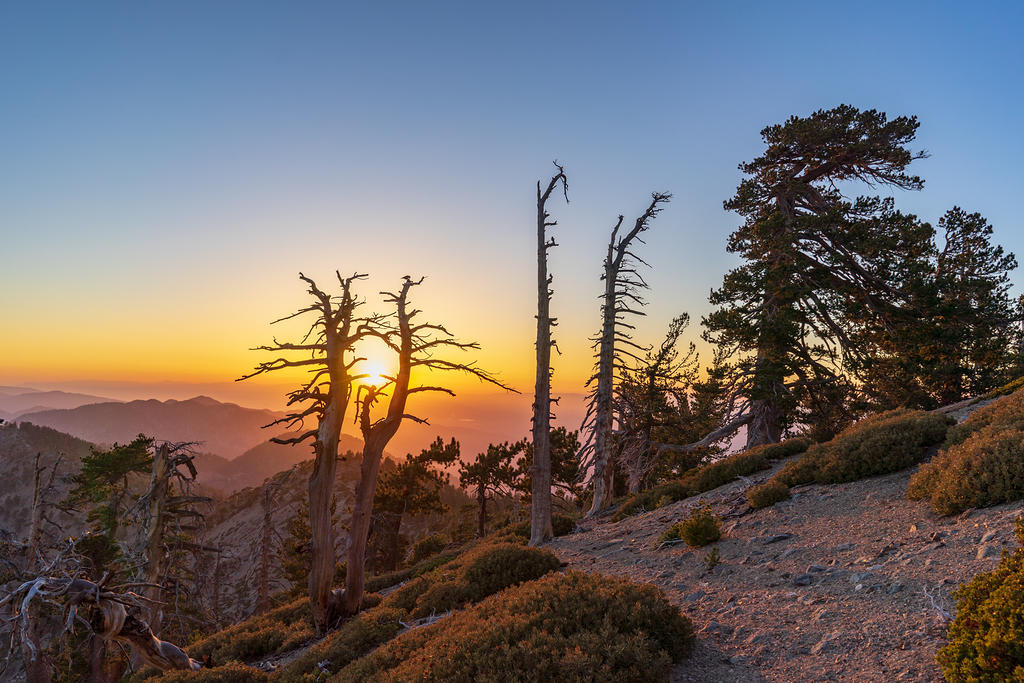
(988, 550)
(803, 580)
(815, 568)
(894, 588)
(775, 538)
(715, 628)
(826, 644)
(757, 637)
(790, 551)
(694, 596)
(989, 535)
(844, 546)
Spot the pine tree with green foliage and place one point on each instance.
(963, 337)
(413, 487)
(816, 262)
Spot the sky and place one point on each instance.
(169, 168)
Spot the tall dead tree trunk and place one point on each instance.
(621, 297)
(415, 346)
(37, 669)
(266, 539)
(329, 342)
(156, 567)
(540, 511)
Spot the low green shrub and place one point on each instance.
(561, 525)
(228, 673)
(986, 639)
(1007, 389)
(480, 572)
(721, 472)
(710, 476)
(1007, 413)
(427, 548)
(562, 627)
(701, 526)
(986, 469)
(378, 583)
(982, 462)
(767, 494)
(655, 497)
(279, 630)
(356, 637)
(879, 444)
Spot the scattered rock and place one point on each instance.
(815, 568)
(803, 580)
(843, 547)
(826, 644)
(989, 535)
(988, 550)
(775, 538)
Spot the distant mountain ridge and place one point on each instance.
(16, 401)
(224, 429)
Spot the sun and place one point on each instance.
(375, 373)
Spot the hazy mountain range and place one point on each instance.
(225, 429)
(16, 401)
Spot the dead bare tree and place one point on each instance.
(416, 345)
(540, 512)
(171, 508)
(330, 343)
(621, 297)
(111, 612)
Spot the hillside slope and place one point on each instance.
(842, 582)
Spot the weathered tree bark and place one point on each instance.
(415, 346)
(155, 556)
(540, 512)
(335, 331)
(266, 539)
(620, 298)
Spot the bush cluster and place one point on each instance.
(426, 548)
(710, 476)
(279, 630)
(378, 583)
(561, 525)
(701, 526)
(879, 444)
(983, 463)
(229, 673)
(479, 572)
(767, 494)
(986, 639)
(570, 627)
(357, 636)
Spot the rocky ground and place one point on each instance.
(849, 582)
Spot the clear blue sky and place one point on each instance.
(168, 167)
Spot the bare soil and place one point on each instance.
(848, 582)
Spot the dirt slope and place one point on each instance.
(832, 585)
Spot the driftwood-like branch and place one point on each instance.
(112, 615)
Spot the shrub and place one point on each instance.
(562, 627)
(427, 548)
(477, 573)
(986, 469)
(723, 471)
(982, 464)
(561, 525)
(278, 630)
(229, 673)
(767, 494)
(378, 583)
(652, 498)
(986, 639)
(879, 444)
(710, 476)
(1006, 389)
(701, 527)
(352, 640)
(1007, 413)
